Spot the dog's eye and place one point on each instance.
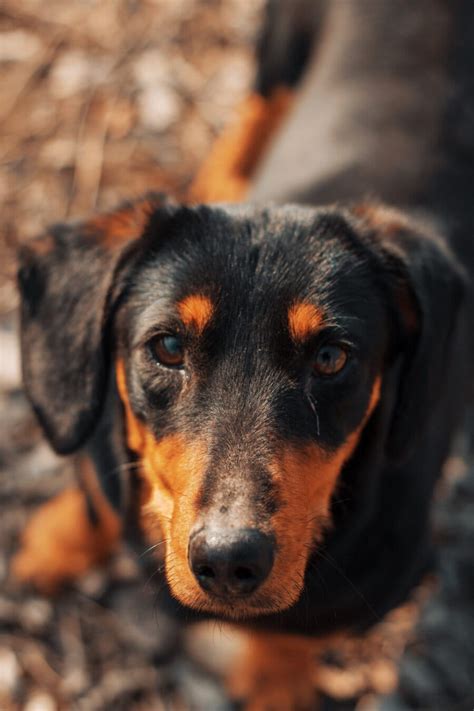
(330, 359)
(167, 350)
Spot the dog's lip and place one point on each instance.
(239, 602)
(230, 597)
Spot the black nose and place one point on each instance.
(229, 561)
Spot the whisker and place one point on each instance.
(354, 587)
(153, 547)
(312, 404)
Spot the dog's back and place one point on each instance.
(385, 108)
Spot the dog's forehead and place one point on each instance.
(255, 264)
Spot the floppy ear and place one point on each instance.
(426, 288)
(70, 281)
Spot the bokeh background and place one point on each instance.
(101, 100)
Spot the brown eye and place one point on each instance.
(330, 359)
(167, 350)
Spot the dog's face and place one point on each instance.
(251, 354)
(249, 350)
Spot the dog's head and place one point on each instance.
(250, 348)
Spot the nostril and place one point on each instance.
(205, 571)
(243, 574)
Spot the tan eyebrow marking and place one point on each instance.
(303, 320)
(196, 311)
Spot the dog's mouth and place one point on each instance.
(234, 556)
(235, 573)
(232, 560)
(228, 560)
(236, 567)
(233, 606)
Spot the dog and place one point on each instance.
(270, 392)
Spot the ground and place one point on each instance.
(101, 100)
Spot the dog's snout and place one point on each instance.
(230, 562)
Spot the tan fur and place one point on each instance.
(304, 320)
(196, 311)
(275, 673)
(60, 543)
(226, 174)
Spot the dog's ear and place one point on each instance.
(425, 288)
(70, 281)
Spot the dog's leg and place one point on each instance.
(275, 673)
(68, 535)
(227, 172)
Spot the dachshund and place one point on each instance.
(269, 389)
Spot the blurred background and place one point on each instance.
(101, 100)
